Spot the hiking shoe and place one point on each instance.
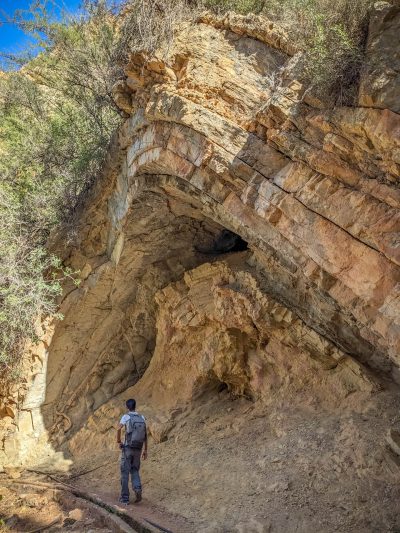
(123, 502)
(138, 496)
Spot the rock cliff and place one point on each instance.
(302, 327)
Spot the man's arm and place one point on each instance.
(119, 441)
(144, 452)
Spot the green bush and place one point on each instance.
(25, 292)
(57, 116)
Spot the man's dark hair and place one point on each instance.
(131, 404)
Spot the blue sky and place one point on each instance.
(13, 40)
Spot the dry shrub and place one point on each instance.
(148, 25)
(239, 6)
(330, 34)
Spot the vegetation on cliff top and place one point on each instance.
(57, 116)
(331, 35)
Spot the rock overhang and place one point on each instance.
(312, 192)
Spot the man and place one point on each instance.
(135, 441)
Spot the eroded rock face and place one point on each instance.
(217, 327)
(309, 314)
(313, 189)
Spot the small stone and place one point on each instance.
(76, 514)
(278, 486)
(393, 439)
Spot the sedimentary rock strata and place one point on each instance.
(219, 135)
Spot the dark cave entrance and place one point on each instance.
(225, 242)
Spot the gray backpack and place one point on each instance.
(135, 431)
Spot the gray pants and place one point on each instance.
(130, 463)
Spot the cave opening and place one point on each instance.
(107, 339)
(225, 242)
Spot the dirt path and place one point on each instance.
(29, 505)
(230, 466)
(39, 502)
(148, 513)
(233, 466)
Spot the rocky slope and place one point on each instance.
(300, 331)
